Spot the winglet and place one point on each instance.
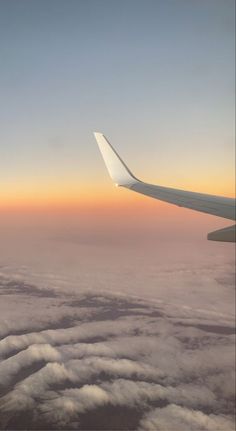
(117, 169)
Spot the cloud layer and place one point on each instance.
(102, 361)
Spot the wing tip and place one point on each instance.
(117, 169)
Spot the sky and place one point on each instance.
(156, 77)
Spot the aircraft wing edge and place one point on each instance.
(227, 234)
(210, 204)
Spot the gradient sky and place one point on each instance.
(157, 77)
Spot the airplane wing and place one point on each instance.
(215, 205)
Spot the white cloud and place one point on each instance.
(118, 393)
(174, 417)
(24, 359)
(141, 356)
(76, 333)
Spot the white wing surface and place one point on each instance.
(215, 205)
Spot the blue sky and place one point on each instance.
(156, 76)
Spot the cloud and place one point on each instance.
(69, 335)
(180, 418)
(94, 351)
(24, 396)
(117, 393)
(24, 359)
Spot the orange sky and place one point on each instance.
(68, 194)
(108, 211)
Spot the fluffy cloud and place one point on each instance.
(174, 417)
(68, 335)
(120, 393)
(34, 353)
(94, 351)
